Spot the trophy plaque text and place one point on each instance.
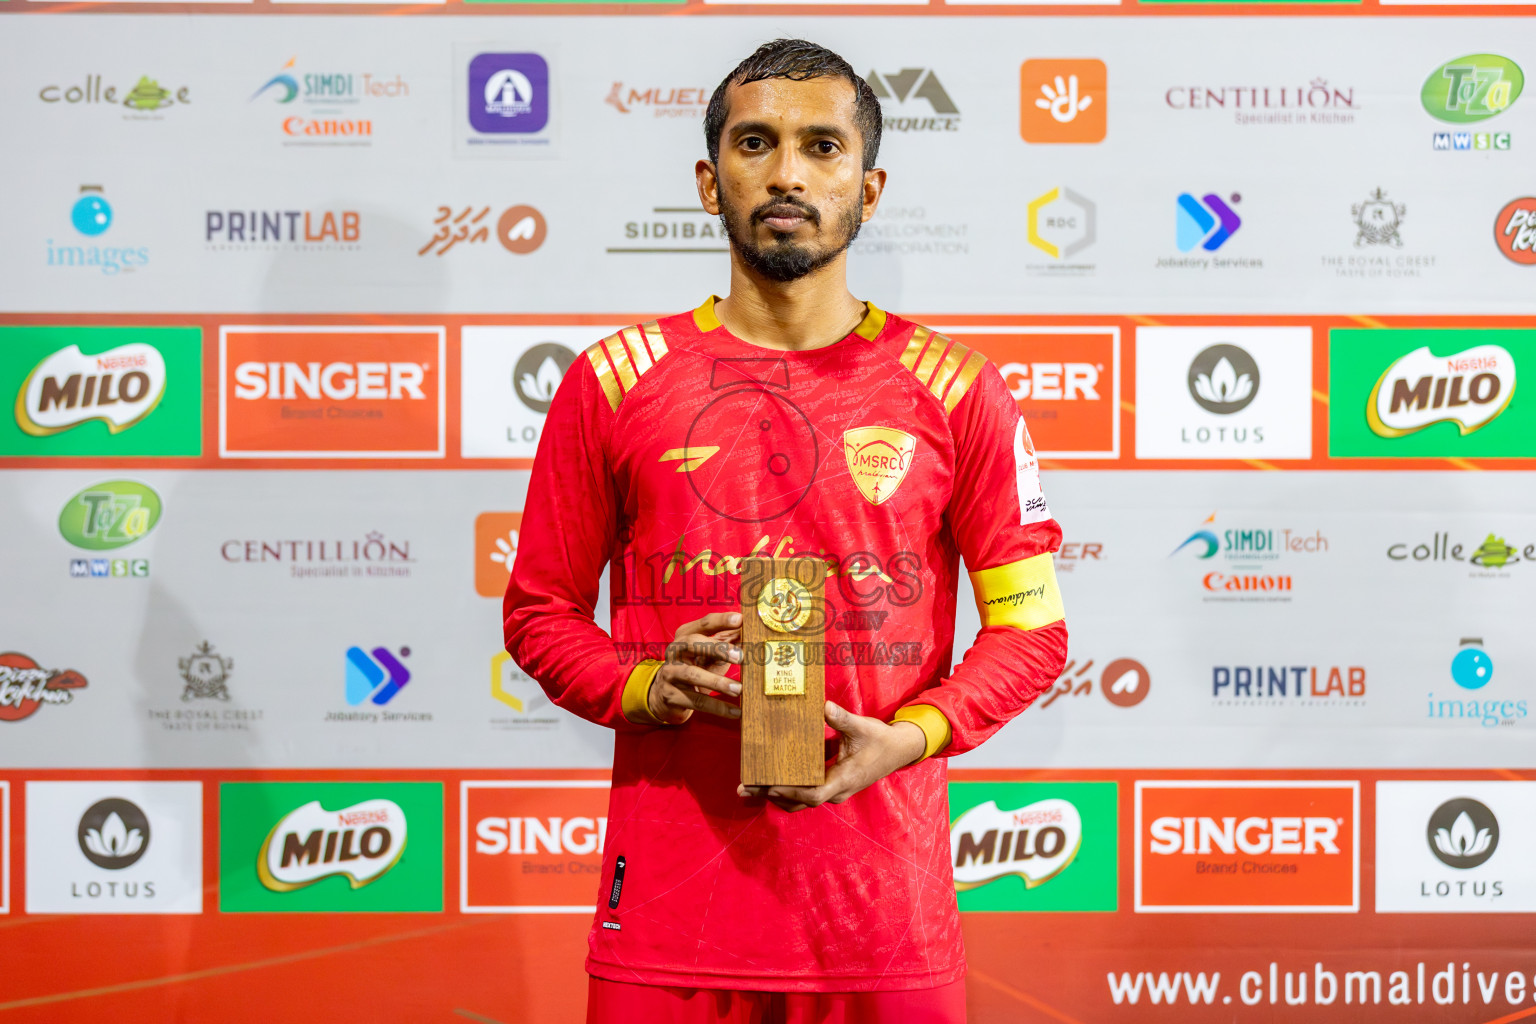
(783, 687)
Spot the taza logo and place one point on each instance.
(113, 834)
(1472, 88)
(1463, 833)
(1470, 388)
(109, 515)
(359, 843)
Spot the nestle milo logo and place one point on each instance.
(118, 387)
(360, 843)
(109, 515)
(1472, 88)
(1469, 388)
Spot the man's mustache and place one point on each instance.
(787, 206)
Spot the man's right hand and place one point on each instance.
(697, 659)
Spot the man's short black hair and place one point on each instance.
(796, 60)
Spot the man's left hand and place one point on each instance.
(870, 750)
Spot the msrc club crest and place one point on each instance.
(878, 459)
(360, 843)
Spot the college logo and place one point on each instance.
(1208, 222)
(1044, 846)
(109, 515)
(1514, 230)
(915, 84)
(205, 673)
(1472, 88)
(519, 229)
(1063, 100)
(143, 98)
(1124, 682)
(1061, 225)
(330, 846)
(102, 847)
(1491, 557)
(1247, 847)
(531, 847)
(508, 93)
(878, 460)
(1455, 847)
(1066, 381)
(331, 392)
(1469, 388)
(376, 676)
(26, 686)
(495, 551)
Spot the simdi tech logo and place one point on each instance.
(1469, 90)
(323, 98)
(92, 216)
(531, 847)
(332, 392)
(331, 846)
(1044, 846)
(1455, 847)
(1425, 392)
(1261, 846)
(1063, 101)
(101, 391)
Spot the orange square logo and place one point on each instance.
(1063, 100)
(1247, 847)
(531, 847)
(495, 550)
(331, 392)
(1066, 381)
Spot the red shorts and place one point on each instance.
(618, 1002)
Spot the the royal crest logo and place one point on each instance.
(1469, 388)
(1035, 842)
(206, 674)
(119, 387)
(878, 459)
(360, 843)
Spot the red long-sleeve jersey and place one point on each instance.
(673, 449)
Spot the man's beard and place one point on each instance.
(783, 258)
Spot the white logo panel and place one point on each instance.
(508, 378)
(1456, 847)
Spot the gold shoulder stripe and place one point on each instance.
(1021, 594)
(620, 360)
(945, 367)
(962, 382)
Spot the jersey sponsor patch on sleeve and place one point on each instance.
(1032, 506)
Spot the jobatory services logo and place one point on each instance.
(106, 516)
(672, 101)
(330, 846)
(1063, 101)
(291, 231)
(332, 392)
(1467, 91)
(1061, 224)
(1472, 703)
(325, 108)
(141, 99)
(509, 100)
(114, 847)
(375, 676)
(1250, 561)
(914, 100)
(531, 847)
(1514, 230)
(496, 538)
(1315, 103)
(1034, 846)
(1066, 381)
(520, 229)
(1223, 393)
(1230, 846)
(26, 686)
(1455, 847)
(92, 216)
(508, 378)
(1123, 682)
(1208, 222)
(1423, 392)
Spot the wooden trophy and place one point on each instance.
(783, 686)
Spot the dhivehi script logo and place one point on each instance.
(1035, 842)
(119, 387)
(1420, 389)
(878, 459)
(360, 843)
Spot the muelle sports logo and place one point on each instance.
(668, 102)
(1469, 388)
(359, 843)
(1036, 843)
(26, 686)
(118, 387)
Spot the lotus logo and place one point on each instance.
(1420, 389)
(1036, 843)
(113, 834)
(538, 374)
(1463, 833)
(359, 843)
(119, 387)
(1223, 379)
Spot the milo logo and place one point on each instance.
(1035, 842)
(119, 387)
(360, 843)
(109, 515)
(1420, 389)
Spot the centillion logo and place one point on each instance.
(878, 459)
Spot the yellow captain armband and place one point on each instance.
(636, 699)
(933, 723)
(1022, 594)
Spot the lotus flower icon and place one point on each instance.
(1223, 379)
(116, 840)
(1463, 839)
(1463, 833)
(1223, 385)
(113, 833)
(540, 386)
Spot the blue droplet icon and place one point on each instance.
(1471, 668)
(91, 215)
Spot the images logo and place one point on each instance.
(205, 673)
(1223, 379)
(26, 686)
(109, 515)
(916, 84)
(1472, 88)
(1247, 847)
(1063, 100)
(378, 678)
(326, 392)
(91, 216)
(1034, 845)
(114, 834)
(1469, 388)
(1472, 668)
(495, 550)
(537, 847)
(1514, 230)
(1206, 222)
(1463, 833)
(1066, 381)
(1061, 223)
(1377, 220)
(508, 93)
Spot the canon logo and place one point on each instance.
(1250, 835)
(335, 381)
(1051, 382)
(540, 835)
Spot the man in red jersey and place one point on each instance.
(787, 419)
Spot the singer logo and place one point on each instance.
(531, 847)
(331, 392)
(1066, 381)
(1247, 847)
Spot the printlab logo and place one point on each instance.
(143, 100)
(1223, 379)
(1124, 682)
(1514, 230)
(114, 834)
(687, 103)
(1207, 222)
(282, 230)
(91, 216)
(1463, 833)
(205, 673)
(915, 84)
(105, 516)
(325, 95)
(1061, 225)
(26, 686)
(1468, 90)
(1063, 101)
(376, 676)
(519, 229)
(508, 93)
